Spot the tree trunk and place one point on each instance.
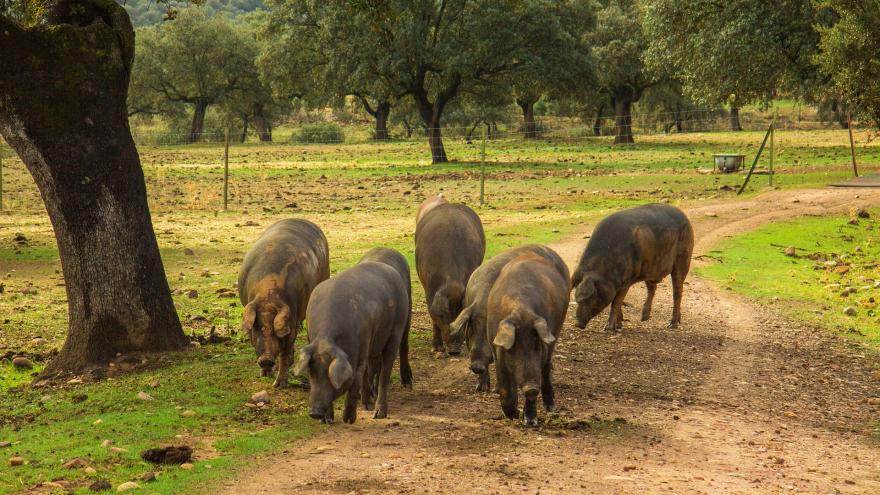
(597, 125)
(734, 119)
(530, 129)
(435, 141)
(69, 126)
(244, 130)
(623, 121)
(198, 122)
(261, 125)
(383, 111)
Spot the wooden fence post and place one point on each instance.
(852, 143)
(226, 170)
(483, 168)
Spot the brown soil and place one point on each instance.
(739, 400)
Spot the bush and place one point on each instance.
(322, 132)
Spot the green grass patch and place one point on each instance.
(834, 268)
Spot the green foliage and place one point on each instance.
(321, 132)
(150, 12)
(831, 255)
(735, 52)
(619, 44)
(849, 57)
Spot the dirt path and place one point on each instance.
(737, 401)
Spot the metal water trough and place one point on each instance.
(728, 163)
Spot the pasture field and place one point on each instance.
(365, 195)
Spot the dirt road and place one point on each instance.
(739, 400)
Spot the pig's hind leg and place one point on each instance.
(389, 355)
(649, 300)
(547, 387)
(679, 273)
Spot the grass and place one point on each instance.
(830, 256)
(362, 195)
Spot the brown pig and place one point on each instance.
(450, 245)
(642, 244)
(275, 282)
(472, 319)
(525, 313)
(356, 318)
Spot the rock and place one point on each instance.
(76, 463)
(105, 444)
(861, 212)
(711, 214)
(16, 461)
(790, 251)
(192, 293)
(22, 363)
(5, 444)
(187, 466)
(148, 477)
(89, 470)
(127, 486)
(853, 221)
(100, 486)
(196, 319)
(261, 396)
(98, 421)
(188, 252)
(144, 396)
(168, 455)
(118, 450)
(874, 401)
(850, 311)
(154, 384)
(189, 413)
(37, 341)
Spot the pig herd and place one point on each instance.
(508, 310)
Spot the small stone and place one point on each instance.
(22, 362)
(100, 486)
(188, 252)
(106, 443)
(189, 413)
(154, 384)
(850, 311)
(127, 486)
(118, 450)
(37, 341)
(192, 293)
(365, 454)
(186, 465)
(711, 214)
(16, 461)
(76, 463)
(789, 414)
(874, 401)
(89, 470)
(98, 421)
(629, 468)
(144, 396)
(5, 444)
(261, 396)
(790, 251)
(148, 477)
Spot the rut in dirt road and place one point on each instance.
(739, 400)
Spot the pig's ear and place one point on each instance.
(249, 318)
(340, 369)
(543, 331)
(576, 278)
(440, 304)
(282, 322)
(462, 321)
(302, 365)
(585, 290)
(506, 335)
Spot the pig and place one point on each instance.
(355, 318)
(397, 261)
(642, 244)
(450, 245)
(428, 205)
(472, 319)
(275, 282)
(524, 314)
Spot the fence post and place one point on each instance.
(852, 143)
(772, 138)
(483, 168)
(226, 170)
(755, 163)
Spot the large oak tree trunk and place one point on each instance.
(530, 129)
(261, 125)
(198, 122)
(623, 121)
(435, 141)
(734, 119)
(63, 95)
(382, 113)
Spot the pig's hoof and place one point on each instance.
(368, 406)
(407, 385)
(551, 407)
(280, 384)
(482, 388)
(646, 317)
(380, 413)
(530, 421)
(672, 325)
(349, 418)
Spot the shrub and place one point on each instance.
(322, 132)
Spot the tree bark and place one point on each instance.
(734, 119)
(244, 130)
(530, 129)
(69, 126)
(383, 112)
(261, 125)
(623, 121)
(198, 122)
(431, 115)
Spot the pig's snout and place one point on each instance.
(266, 363)
(530, 391)
(478, 367)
